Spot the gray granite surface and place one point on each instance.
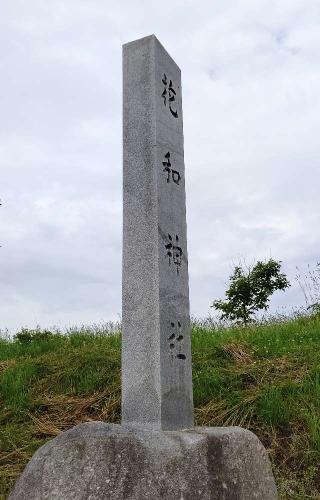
(156, 353)
(98, 461)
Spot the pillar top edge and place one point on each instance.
(152, 39)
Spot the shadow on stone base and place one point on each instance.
(99, 461)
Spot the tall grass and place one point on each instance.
(264, 377)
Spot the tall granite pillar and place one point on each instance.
(156, 353)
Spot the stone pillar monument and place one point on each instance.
(156, 453)
(156, 353)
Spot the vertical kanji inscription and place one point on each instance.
(156, 350)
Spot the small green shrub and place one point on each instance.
(26, 336)
(250, 290)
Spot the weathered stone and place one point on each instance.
(156, 353)
(98, 461)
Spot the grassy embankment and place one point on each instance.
(265, 378)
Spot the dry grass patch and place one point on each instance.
(238, 352)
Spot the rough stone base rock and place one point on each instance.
(99, 461)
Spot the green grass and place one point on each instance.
(265, 378)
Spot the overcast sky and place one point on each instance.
(251, 81)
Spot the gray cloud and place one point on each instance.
(251, 120)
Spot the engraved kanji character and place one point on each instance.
(169, 95)
(176, 177)
(176, 336)
(174, 252)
